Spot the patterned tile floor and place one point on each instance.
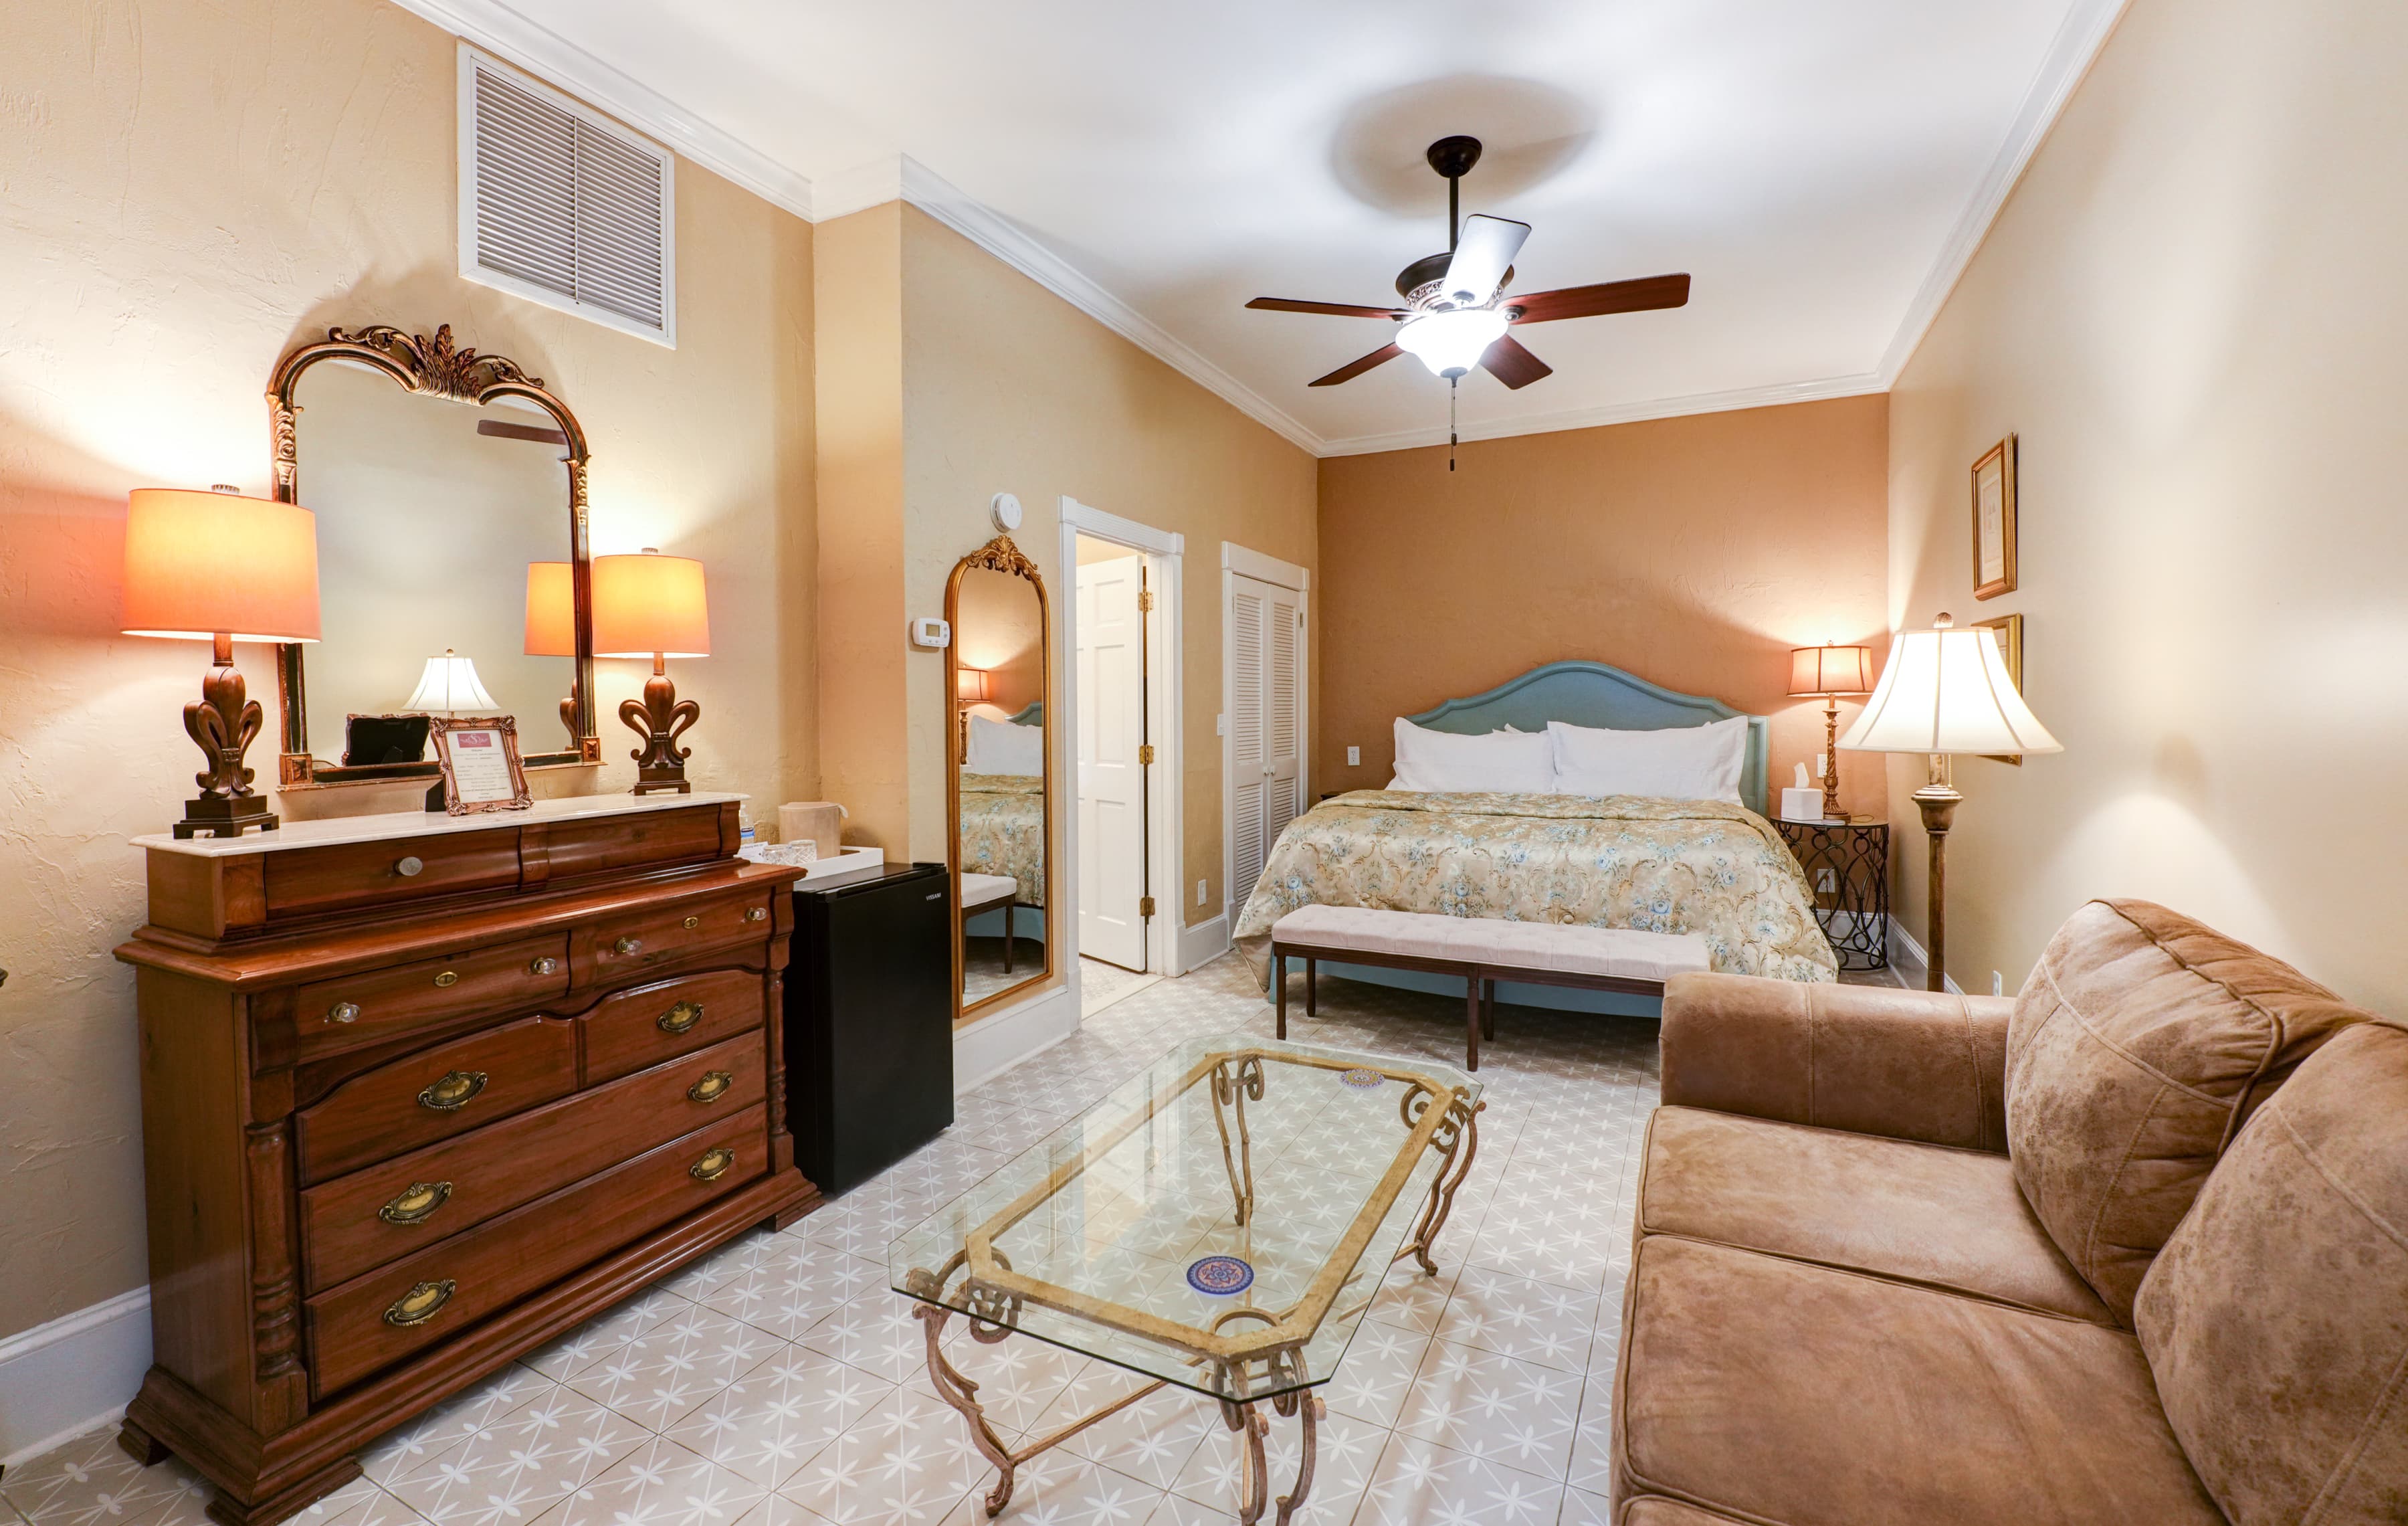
(1100, 985)
(778, 1383)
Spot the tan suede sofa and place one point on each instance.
(2132, 1248)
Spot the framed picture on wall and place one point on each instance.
(1994, 521)
(2009, 633)
(480, 759)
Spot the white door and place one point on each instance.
(1112, 777)
(1266, 723)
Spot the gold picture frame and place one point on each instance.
(2009, 629)
(1994, 521)
(479, 737)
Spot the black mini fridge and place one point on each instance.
(869, 1021)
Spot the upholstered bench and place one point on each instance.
(983, 893)
(1483, 950)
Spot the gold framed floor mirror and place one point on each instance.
(999, 775)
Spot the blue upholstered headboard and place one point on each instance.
(1591, 694)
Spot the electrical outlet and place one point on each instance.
(1202, 888)
(1354, 757)
(1826, 882)
(1822, 765)
(1997, 983)
(1220, 725)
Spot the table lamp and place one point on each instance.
(652, 606)
(450, 684)
(220, 568)
(1945, 691)
(552, 626)
(971, 687)
(1825, 672)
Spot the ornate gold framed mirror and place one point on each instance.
(998, 775)
(454, 571)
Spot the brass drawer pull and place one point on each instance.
(712, 1087)
(421, 1304)
(756, 913)
(713, 1164)
(680, 1018)
(417, 1203)
(408, 867)
(447, 978)
(343, 1011)
(694, 922)
(628, 945)
(543, 965)
(454, 1092)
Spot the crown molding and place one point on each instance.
(1002, 237)
(561, 64)
(2079, 38)
(1630, 412)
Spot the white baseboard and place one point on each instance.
(1905, 953)
(1000, 1040)
(79, 1372)
(1203, 942)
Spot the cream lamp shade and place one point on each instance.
(650, 606)
(450, 684)
(1830, 670)
(551, 610)
(971, 685)
(1946, 691)
(203, 565)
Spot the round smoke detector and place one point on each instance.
(1006, 511)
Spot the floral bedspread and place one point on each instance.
(1614, 861)
(1003, 829)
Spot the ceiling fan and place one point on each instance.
(1455, 313)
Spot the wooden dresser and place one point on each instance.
(422, 1093)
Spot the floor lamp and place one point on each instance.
(1945, 691)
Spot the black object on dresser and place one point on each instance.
(869, 1021)
(1847, 869)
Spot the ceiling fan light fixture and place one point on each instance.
(1452, 340)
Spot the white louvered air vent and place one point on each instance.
(563, 206)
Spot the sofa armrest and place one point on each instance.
(1920, 1065)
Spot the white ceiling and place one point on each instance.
(1821, 170)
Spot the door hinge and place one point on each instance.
(1145, 905)
(1145, 755)
(1145, 601)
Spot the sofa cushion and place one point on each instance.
(1780, 1392)
(2278, 1315)
(2138, 1047)
(1919, 1213)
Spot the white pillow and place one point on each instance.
(1516, 762)
(1001, 748)
(1680, 763)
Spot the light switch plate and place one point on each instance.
(1202, 887)
(1354, 757)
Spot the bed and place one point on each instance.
(1003, 831)
(1706, 867)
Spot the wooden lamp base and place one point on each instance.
(1938, 801)
(660, 718)
(221, 723)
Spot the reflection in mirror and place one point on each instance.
(426, 529)
(999, 665)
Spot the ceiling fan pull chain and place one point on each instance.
(1451, 384)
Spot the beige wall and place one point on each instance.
(1008, 388)
(189, 190)
(1693, 552)
(2191, 310)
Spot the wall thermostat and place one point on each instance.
(932, 633)
(1006, 510)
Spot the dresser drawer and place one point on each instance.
(332, 1015)
(372, 1216)
(635, 941)
(437, 1093)
(652, 1023)
(343, 876)
(693, 835)
(377, 1320)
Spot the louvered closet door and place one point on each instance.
(1267, 703)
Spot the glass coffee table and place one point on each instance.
(1220, 1223)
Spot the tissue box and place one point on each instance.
(820, 823)
(1801, 804)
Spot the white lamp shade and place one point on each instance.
(449, 686)
(1451, 342)
(1946, 690)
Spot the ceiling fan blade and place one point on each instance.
(1353, 368)
(1511, 364)
(1482, 255)
(1336, 310)
(1640, 296)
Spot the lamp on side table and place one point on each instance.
(1825, 672)
(1945, 691)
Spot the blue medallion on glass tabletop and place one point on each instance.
(1221, 1276)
